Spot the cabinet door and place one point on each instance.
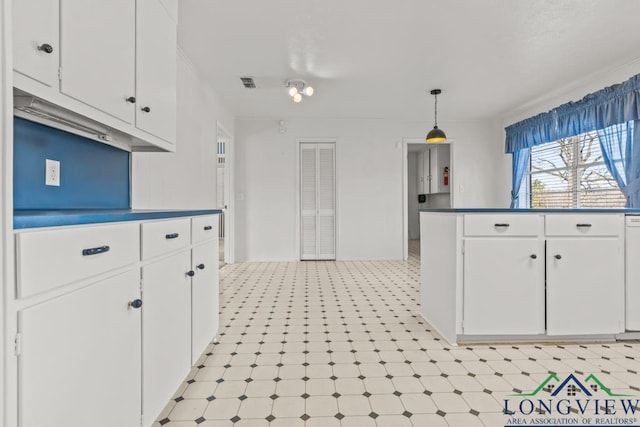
(503, 286)
(80, 361)
(166, 331)
(585, 286)
(97, 54)
(35, 25)
(438, 160)
(632, 278)
(423, 172)
(204, 297)
(156, 70)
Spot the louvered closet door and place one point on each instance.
(317, 201)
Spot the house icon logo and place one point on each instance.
(572, 400)
(572, 386)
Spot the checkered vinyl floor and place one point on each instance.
(341, 344)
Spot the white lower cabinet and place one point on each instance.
(503, 286)
(166, 331)
(585, 286)
(204, 297)
(566, 281)
(113, 318)
(80, 359)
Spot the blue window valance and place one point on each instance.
(607, 107)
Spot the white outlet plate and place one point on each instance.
(52, 172)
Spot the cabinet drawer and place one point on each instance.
(165, 236)
(501, 225)
(49, 259)
(584, 225)
(204, 228)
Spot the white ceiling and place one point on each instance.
(379, 58)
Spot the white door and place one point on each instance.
(585, 286)
(97, 54)
(156, 41)
(80, 361)
(166, 331)
(204, 297)
(503, 286)
(317, 201)
(36, 50)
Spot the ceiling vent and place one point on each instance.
(248, 82)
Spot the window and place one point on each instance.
(570, 173)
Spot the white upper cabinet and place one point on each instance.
(36, 40)
(431, 169)
(97, 54)
(112, 62)
(156, 41)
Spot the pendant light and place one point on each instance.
(436, 135)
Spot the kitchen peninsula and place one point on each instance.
(491, 275)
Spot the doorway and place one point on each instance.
(427, 184)
(224, 146)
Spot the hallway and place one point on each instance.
(341, 344)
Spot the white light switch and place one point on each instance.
(52, 172)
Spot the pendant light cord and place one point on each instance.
(436, 113)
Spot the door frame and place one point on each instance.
(229, 220)
(297, 212)
(8, 306)
(405, 186)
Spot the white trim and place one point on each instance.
(8, 318)
(229, 216)
(405, 186)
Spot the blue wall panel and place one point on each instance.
(92, 175)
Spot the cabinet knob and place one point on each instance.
(131, 99)
(46, 48)
(136, 303)
(191, 273)
(503, 224)
(146, 109)
(533, 256)
(200, 266)
(557, 256)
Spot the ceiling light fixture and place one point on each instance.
(436, 135)
(297, 88)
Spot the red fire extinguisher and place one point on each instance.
(446, 176)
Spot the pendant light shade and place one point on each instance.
(436, 134)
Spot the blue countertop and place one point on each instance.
(45, 218)
(627, 211)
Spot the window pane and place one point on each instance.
(588, 148)
(598, 189)
(554, 155)
(571, 173)
(553, 189)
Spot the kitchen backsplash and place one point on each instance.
(93, 175)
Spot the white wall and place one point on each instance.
(369, 182)
(412, 193)
(573, 92)
(187, 178)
